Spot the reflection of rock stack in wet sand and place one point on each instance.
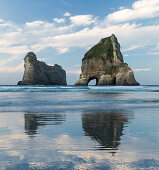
(105, 127)
(34, 121)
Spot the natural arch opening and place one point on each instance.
(114, 81)
(92, 81)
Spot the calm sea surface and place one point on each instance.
(68, 127)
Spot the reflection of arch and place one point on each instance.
(105, 127)
(33, 121)
(93, 78)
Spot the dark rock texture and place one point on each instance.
(39, 73)
(104, 62)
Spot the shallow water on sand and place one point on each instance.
(68, 127)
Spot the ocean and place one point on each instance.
(71, 127)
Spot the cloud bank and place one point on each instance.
(141, 9)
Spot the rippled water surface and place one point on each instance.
(68, 127)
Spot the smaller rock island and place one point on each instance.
(39, 73)
(104, 62)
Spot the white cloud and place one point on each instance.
(77, 66)
(19, 68)
(82, 20)
(128, 35)
(153, 53)
(140, 9)
(143, 69)
(35, 23)
(67, 14)
(63, 50)
(73, 72)
(16, 50)
(122, 7)
(59, 20)
(133, 48)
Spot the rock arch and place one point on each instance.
(105, 62)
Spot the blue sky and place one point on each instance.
(61, 31)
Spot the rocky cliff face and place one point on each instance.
(104, 62)
(39, 73)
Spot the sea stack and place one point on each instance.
(104, 62)
(39, 73)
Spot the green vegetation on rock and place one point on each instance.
(104, 46)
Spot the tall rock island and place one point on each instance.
(39, 73)
(104, 62)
